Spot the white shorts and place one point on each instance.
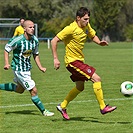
(24, 79)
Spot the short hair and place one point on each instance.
(21, 19)
(82, 11)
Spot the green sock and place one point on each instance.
(38, 103)
(8, 87)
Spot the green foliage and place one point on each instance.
(53, 26)
(128, 9)
(64, 13)
(129, 32)
(108, 17)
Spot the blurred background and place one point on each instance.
(112, 19)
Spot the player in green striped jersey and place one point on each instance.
(23, 47)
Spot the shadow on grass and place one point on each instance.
(92, 119)
(95, 120)
(26, 112)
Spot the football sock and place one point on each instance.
(38, 103)
(8, 87)
(71, 95)
(99, 94)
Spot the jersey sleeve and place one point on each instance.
(91, 32)
(62, 35)
(10, 45)
(36, 52)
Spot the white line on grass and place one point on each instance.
(84, 101)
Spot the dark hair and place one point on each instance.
(82, 11)
(21, 19)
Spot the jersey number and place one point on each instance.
(27, 85)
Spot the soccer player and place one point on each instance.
(19, 29)
(23, 47)
(74, 37)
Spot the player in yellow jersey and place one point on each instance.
(19, 29)
(74, 37)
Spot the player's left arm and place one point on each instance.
(97, 40)
(38, 63)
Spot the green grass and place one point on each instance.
(114, 65)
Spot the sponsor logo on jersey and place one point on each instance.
(27, 53)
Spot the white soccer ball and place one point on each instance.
(127, 88)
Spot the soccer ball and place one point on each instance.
(127, 88)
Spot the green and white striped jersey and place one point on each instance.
(22, 51)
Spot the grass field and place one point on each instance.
(113, 64)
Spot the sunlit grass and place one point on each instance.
(113, 63)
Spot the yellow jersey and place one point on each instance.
(18, 31)
(74, 39)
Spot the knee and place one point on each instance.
(96, 78)
(33, 92)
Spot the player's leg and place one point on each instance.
(73, 93)
(98, 90)
(12, 87)
(19, 89)
(26, 83)
(70, 96)
(36, 100)
(99, 94)
(79, 79)
(8, 87)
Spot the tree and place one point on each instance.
(64, 13)
(110, 18)
(128, 27)
(37, 10)
(106, 14)
(129, 32)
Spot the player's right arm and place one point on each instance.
(62, 35)
(6, 58)
(8, 48)
(54, 42)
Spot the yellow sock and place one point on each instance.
(99, 94)
(71, 95)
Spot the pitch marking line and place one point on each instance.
(84, 101)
